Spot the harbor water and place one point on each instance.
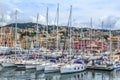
(31, 74)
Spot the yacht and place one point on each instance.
(8, 63)
(54, 67)
(20, 63)
(41, 66)
(71, 68)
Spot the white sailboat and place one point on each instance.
(115, 64)
(10, 62)
(54, 67)
(34, 63)
(20, 63)
(1, 33)
(71, 67)
(42, 64)
(31, 64)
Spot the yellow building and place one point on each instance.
(115, 42)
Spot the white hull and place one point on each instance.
(30, 66)
(116, 66)
(20, 65)
(52, 68)
(40, 67)
(2, 60)
(71, 68)
(7, 64)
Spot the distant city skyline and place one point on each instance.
(99, 10)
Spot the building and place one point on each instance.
(87, 44)
(115, 43)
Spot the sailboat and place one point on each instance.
(54, 67)
(42, 64)
(102, 62)
(29, 64)
(115, 64)
(10, 61)
(71, 67)
(3, 49)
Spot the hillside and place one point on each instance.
(53, 27)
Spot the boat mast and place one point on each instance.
(57, 25)
(70, 25)
(118, 43)
(1, 30)
(102, 36)
(73, 39)
(81, 36)
(15, 31)
(37, 31)
(4, 32)
(91, 26)
(26, 38)
(46, 29)
(1, 36)
(110, 42)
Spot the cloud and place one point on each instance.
(111, 22)
(82, 10)
(117, 24)
(7, 18)
(17, 9)
(41, 19)
(7, 9)
(4, 19)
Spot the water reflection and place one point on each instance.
(15, 74)
(74, 76)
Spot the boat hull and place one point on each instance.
(52, 68)
(30, 66)
(72, 68)
(116, 66)
(20, 65)
(8, 64)
(40, 67)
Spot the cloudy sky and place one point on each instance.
(107, 11)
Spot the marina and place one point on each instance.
(55, 43)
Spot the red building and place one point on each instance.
(90, 45)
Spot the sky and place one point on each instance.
(107, 11)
